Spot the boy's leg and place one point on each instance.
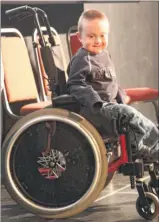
(143, 132)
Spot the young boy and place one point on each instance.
(92, 81)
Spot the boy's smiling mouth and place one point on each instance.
(97, 46)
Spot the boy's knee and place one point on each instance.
(123, 109)
(119, 112)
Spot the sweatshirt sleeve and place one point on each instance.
(78, 86)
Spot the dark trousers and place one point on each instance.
(144, 135)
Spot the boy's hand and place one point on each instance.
(127, 100)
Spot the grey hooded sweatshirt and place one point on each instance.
(92, 80)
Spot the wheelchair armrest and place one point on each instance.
(66, 102)
(142, 94)
(64, 99)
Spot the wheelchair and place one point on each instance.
(55, 163)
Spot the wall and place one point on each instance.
(133, 44)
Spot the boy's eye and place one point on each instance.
(103, 35)
(91, 36)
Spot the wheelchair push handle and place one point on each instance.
(47, 23)
(19, 10)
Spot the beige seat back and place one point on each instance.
(19, 82)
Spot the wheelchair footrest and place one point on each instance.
(133, 169)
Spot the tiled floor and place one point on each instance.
(115, 204)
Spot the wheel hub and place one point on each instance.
(51, 164)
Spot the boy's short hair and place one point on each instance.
(90, 14)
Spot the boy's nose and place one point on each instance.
(98, 40)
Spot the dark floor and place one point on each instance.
(115, 204)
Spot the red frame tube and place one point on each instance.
(113, 166)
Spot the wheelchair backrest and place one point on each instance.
(52, 56)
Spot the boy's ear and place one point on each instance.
(79, 36)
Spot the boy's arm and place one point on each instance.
(122, 96)
(87, 96)
(79, 88)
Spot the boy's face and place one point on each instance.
(94, 35)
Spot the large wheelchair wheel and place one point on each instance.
(54, 163)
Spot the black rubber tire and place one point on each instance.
(152, 199)
(88, 131)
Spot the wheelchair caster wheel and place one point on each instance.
(152, 211)
(152, 189)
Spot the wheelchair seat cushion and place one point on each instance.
(26, 109)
